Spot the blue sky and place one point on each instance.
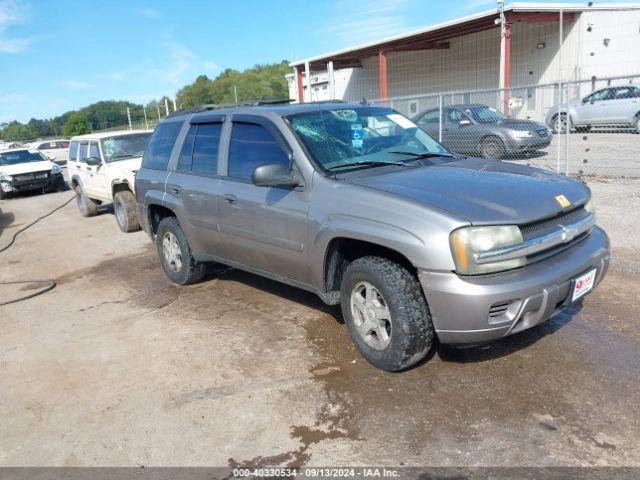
(58, 55)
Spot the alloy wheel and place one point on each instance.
(371, 315)
(171, 251)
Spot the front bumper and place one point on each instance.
(52, 180)
(535, 142)
(463, 309)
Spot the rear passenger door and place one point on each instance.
(261, 227)
(195, 183)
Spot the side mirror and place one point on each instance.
(93, 161)
(465, 122)
(275, 175)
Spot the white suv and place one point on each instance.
(102, 168)
(56, 150)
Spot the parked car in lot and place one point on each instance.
(24, 169)
(478, 129)
(362, 207)
(102, 168)
(608, 107)
(56, 150)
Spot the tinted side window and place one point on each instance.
(184, 163)
(626, 92)
(455, 116)
(205, 148)
(251, 146)
(84, 149)
(156, 156)
(73, 151)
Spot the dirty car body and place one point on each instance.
(351, 190)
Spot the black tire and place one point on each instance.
(189, 271)
(492, 148)
(87, 206)
(409, 327)
(4, 195)
(558, 125)
(124, 208)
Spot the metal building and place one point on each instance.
(517, 58)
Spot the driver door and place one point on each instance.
(96, 179)
(261, 227)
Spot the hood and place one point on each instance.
(131, 164)
(27, 167)
(482, 191)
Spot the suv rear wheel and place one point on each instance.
(124, 207)
(175, 254)
(386, 313)
(87, 207)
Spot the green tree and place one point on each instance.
(78, 124)
(16, 131)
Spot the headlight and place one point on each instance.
(56, 168)
(468, 241)
(521, 133)
(5, 178)
(590, 207)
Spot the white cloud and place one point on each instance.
(12, 12)
(78, 84)
(148, 12)
(12, 97)
(473, 4)
(210, 66)
(181, 61)
(357, 21)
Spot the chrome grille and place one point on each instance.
(548, 225)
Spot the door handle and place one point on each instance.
(229, 198)
(175, 189)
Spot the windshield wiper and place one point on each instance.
(421, 155)
(367, 163)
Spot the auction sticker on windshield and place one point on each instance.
(583, 284)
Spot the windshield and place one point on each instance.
(362, 137)
(21, 156)
(485, 114)
(124, 146)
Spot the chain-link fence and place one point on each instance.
(527, 124)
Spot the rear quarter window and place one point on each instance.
(156, 156)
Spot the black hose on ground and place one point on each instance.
(49, 283)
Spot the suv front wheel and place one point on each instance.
(87, 206)
(386, 313)
(175, 254)
(124, 207)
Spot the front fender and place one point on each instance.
(434, 255)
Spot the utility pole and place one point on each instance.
(174, 104)
(158, 107)
(146, 122)
(129, 117)
(166, 106)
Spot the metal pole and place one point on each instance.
(440, 118)
(503, 38)
(566, 114)
(158, 107)
(235, 93)
(166, 106)
(129, 118)
(568, 131)
(174, 104)
(146, 121)
(332, 81)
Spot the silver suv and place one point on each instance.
(607, 107)
(360, 206)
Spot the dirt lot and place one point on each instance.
(118, 367)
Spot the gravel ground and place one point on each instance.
(116, 366)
